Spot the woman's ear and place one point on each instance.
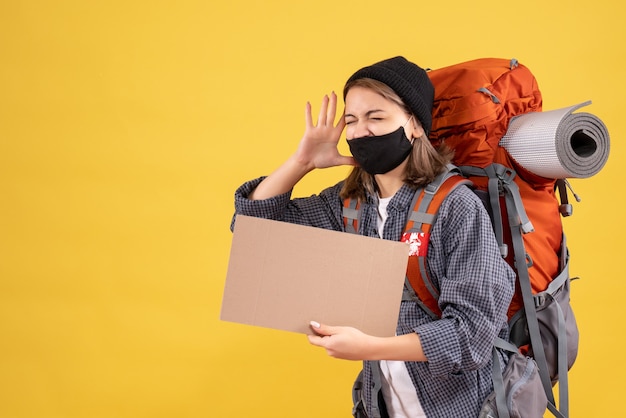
(416, 128)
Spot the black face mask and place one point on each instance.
(380, 154)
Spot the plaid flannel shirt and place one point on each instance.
(475, 283)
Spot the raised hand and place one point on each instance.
(318, 146)
(317, 149)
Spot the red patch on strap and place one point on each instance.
(418, 243)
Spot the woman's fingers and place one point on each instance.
(327, 113)
(340, 342)
(322, 117)
(321, 329)
(308, 117)
(318, 145)
(332, 109)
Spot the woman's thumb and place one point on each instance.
(319, 328)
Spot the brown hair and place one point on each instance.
(425, 161)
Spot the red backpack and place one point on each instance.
(474, 102)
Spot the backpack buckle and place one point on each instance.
(539, 300)
(566, 209)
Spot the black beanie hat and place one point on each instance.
(408, 80)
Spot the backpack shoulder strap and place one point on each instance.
(427, 200)
(351, 215)
(419, 286)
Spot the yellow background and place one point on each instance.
(125, 127)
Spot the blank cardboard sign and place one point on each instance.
(283, 276)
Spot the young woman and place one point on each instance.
(433, 367)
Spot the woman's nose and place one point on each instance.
(360, 129)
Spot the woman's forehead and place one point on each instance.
(361, 100)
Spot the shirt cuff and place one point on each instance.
(440, 346)
(271, 208)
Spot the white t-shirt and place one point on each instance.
(398, 390)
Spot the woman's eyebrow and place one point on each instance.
(367, 114)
